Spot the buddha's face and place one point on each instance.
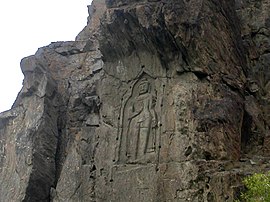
(143, 88)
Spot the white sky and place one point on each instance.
(27, 25)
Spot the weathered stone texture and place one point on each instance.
(153, 101)
(254, 19)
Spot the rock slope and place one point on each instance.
(154, 101)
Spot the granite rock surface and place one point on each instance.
(154, 101)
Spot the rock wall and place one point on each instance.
(154, 101)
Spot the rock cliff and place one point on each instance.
(154, 101)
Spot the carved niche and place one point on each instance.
(138, 127)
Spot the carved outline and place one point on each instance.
(126, 97)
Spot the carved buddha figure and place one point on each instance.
(142, 121)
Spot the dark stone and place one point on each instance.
(154, 101)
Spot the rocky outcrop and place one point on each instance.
(255, 21)
(153, 101)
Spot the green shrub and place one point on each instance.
(257, 188)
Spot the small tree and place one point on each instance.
(258, 188)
